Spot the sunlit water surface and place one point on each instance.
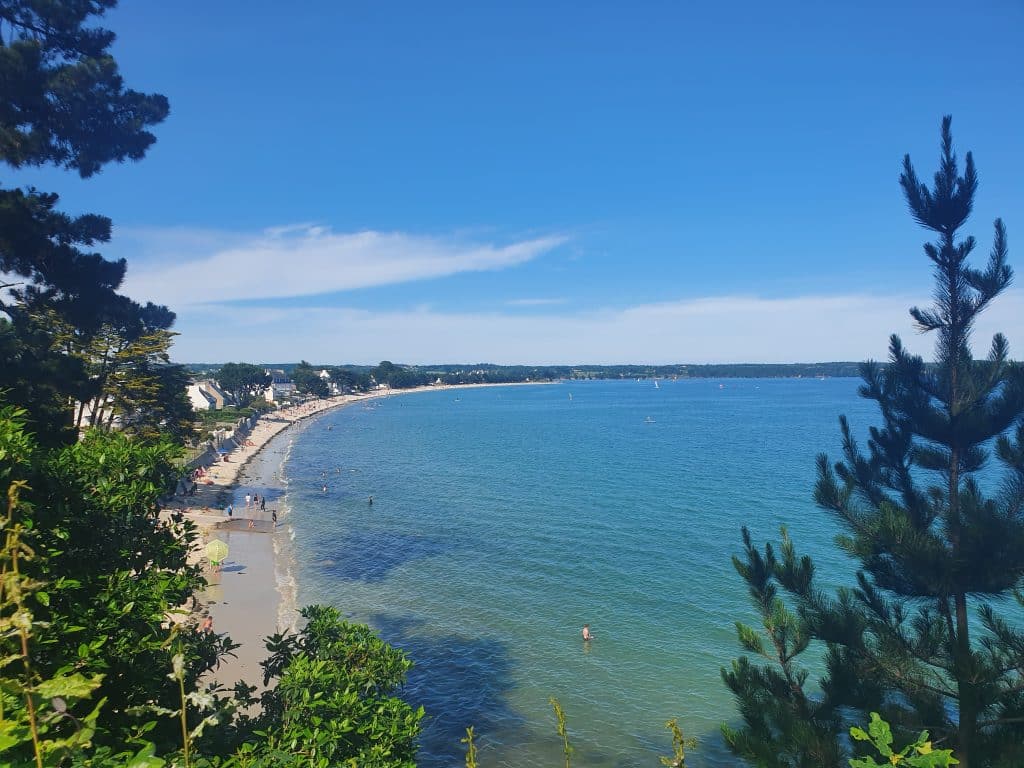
(505, 518)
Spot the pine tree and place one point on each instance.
(933, 515)
(63, 103)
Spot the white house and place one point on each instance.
(332, 386)
(281, 388)
(206, 396)
(103, 416)
(199, 399)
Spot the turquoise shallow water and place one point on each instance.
(504, 518)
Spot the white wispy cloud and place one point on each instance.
(534, 302)
(713, 329)
(185, 268)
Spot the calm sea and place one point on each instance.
(504, 518)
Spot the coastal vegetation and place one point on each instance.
(243, 381)
(102, 663)
(229, 415)
(928, 636)
(66, 330)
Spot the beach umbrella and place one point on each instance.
(216, 550)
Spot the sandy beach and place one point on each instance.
(249, 598)
(243, 596)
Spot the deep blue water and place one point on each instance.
(505, 518)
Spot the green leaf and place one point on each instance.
(75, 686)
(12, 734)
(145, 758)
(881, 734)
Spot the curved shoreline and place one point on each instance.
(299, 413)
(239, 595)
(222, 476)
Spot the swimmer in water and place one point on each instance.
(587, 634)
(325, 489)
(371, 501)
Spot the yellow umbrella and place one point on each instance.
(217, 551)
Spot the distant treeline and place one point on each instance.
(364, 377)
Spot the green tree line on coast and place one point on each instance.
(358, 378)
(102, 666)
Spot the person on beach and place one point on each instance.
(207, 625)
(248, 501)
(587, 634)
(230, 510)
(252, 523)
(273, 518)
(263, 503)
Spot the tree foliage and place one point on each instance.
(308, 382)
(784, 724)
(928, 636)
(399, 377)
(348, 380)
(62, 99)
(92, 675)
(104, 571)
(93, 670)
(919, 754)
(243, 381)
(334, 701)
(62, 103)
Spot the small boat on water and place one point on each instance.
(648, 420)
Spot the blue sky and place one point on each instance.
(552, 182)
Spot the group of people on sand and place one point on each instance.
(190, 484)
(253, 501)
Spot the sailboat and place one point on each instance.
(656, 386)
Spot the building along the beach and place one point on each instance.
(332, 386)
(205, 395)
(281, 388)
